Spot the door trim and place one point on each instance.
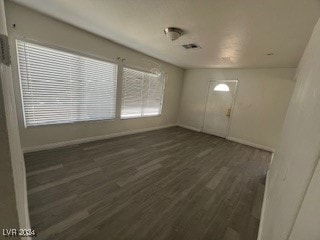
(232, 104)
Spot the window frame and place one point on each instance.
(122, 85)
(69, 51)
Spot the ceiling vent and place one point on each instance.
(191, 46)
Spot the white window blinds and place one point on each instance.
(142, 94)
(60, 87)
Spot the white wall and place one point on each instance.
(308, 221)
(292, 203)
(261, 103)
(38, 27)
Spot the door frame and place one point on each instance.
(232, 104)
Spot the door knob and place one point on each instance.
(228, 112)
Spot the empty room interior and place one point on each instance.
(160, 120)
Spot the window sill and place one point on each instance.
(69, 123)
(137, 117)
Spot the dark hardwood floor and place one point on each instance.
(161, 185)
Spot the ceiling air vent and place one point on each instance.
(191, 46)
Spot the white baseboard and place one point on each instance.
(90, 139)
(245, 142)
(189, 127)
(264, 203)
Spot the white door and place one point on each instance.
(219, 107)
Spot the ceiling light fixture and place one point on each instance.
(173, 33)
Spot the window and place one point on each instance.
(221, 88)
(142, 94)
(60, 87)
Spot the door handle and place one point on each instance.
(228, 112)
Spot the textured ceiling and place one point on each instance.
(232, 33)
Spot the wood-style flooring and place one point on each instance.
(160, 185)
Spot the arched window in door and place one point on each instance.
(221, 88)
